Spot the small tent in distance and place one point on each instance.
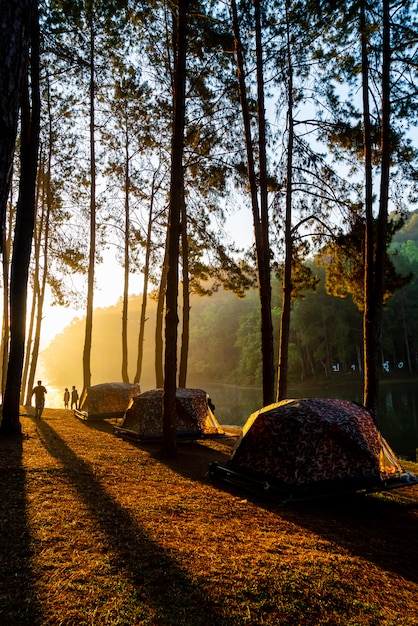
(194, 417)
(107, 400)
(303, 448)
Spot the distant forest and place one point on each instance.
(326, 333)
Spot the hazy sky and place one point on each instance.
(109, 281)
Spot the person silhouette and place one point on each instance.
(66, 398)
(74, 397)
(39, 392)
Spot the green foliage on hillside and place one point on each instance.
(326, 333)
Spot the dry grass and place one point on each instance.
(99, 531)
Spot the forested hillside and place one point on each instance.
(326, 333)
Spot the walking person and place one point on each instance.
(39, 392)
(66, 398)
(74, 397)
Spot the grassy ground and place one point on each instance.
(99, 531)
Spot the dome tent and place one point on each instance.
(107, 400)
(301, 448)
(194, 417)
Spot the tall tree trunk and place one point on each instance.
(125, 375)
(45, 226)
(142, 318)
(40, 193)
(382, 221)
(374, 293)
(37, 334)
(29, 338)
(265, 290)
(174, 229)
(14, 51)
(369, 351)
(25, 217)
(6, 247)
(184, 352)
(44, 191)
(287, 270)
(159, 325)
(259, 218)
(92, 252)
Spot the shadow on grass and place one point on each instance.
(101, 425)
(193, 457)
(18, 603)
(159, 581)
(191, 460)
(377, 528)
(374, 527)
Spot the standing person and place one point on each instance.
(74, 397)
(66, 398)
(39, 392)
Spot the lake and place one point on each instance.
(398, 408)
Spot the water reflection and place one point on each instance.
(398, 408)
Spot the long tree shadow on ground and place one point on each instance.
(18, 604)
(136, 555)
(193, 457)
(377, 529)
(374, 527)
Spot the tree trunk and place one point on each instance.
(260, 219)
(369, 350)
(29, 339)
(184, 352)
(381, 235)
(40, 192)
(287, 270)
(45, 192)
(265, 290)
(25, 217)
(142, 318)
(14, 51)
(92, 252)
(375, 256)
(174, 227)
(125, 375)
(159, 325)
(6, 247)
(44, 227)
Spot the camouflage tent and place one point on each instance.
(308, 446)
(107, 400)
(194, 417)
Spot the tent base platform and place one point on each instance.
(283, 495)
(83, 415)
(132, 435)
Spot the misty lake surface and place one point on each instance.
(398, 408)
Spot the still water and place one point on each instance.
(398, 408)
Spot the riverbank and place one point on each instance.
(97, 530)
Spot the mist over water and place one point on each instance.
(61, 366)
